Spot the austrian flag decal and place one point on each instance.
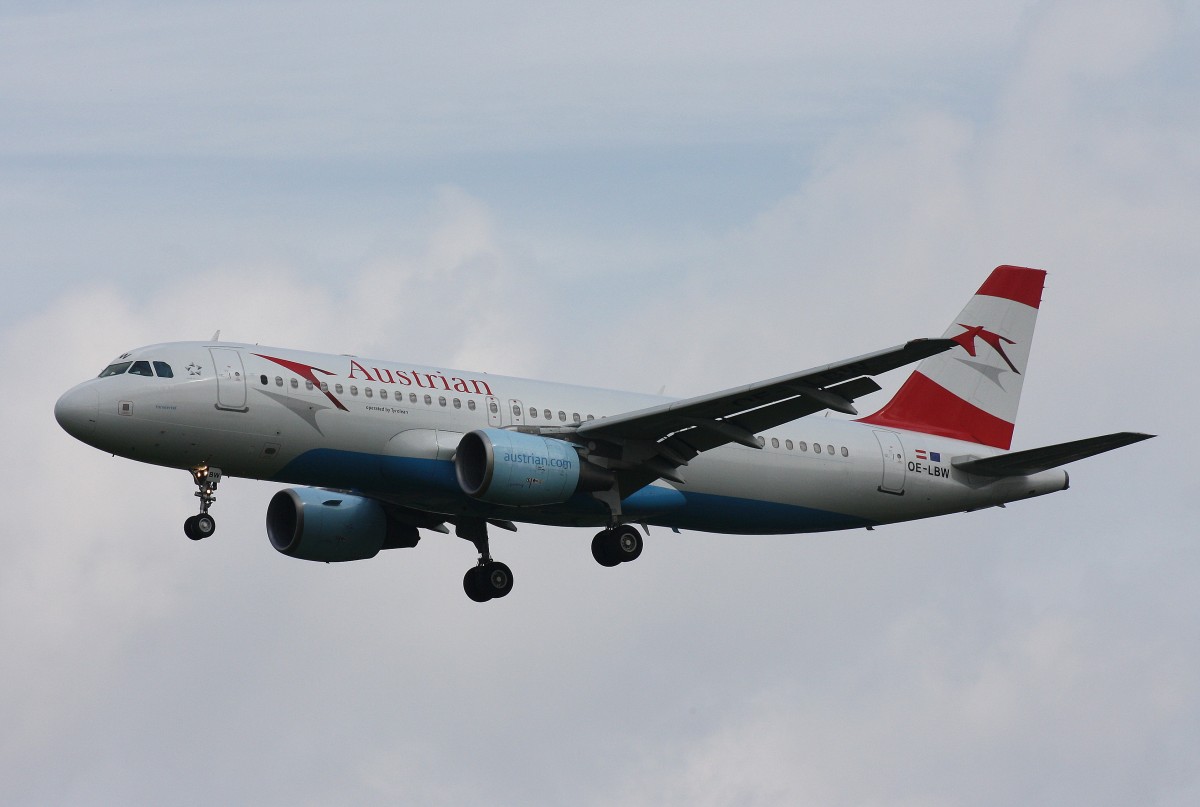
(932, 456)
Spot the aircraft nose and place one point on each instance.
(77, 411)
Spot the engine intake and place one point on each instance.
(511, 468)
(327, 526)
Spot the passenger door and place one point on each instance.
(893, 462)
(231, 379)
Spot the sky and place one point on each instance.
(644, 196)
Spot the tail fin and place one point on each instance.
(971, 392)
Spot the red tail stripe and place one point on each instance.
(924, 406)
(1015, 283)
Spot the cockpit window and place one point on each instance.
(163, 369)
(140, 368)
(115, 369)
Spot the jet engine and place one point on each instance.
(328, 526)
(511, 468)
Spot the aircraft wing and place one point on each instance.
(653, 442)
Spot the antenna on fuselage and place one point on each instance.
(217, 336)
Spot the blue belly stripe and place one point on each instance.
(434, 482)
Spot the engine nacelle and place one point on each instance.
(323, 525)
(507, 467)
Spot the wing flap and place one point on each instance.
(1035, 460)
(708, 434)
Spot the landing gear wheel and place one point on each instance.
(488, 581)
(497, 579)
(199, 526)
(627, 542)
(205, 525)
(616, 546)
(604, 549)
(473, 584)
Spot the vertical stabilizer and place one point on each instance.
(971, 392)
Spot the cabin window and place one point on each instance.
(816, 448)
(548, 414)
(575, 417)
(457, 403)
(590, 417)
(279, 381)
(140, 368)
(163, 370)
(831, 451)
(412, 397)
(471, 405)
(493, 408)
(383, 394)
(429, 400)
(762, 441)
(845, 453)
(264, 380)
(115, 369)
(308, 385)
(533, 412)
(441, 400)
(353, 390)
(774, 442)
(295, 384)
(803, 446)
(789, 444)
(368, 392)
(516, 410)
(562, 416)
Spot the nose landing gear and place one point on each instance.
(203, 525)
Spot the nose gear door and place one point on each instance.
(231, 379)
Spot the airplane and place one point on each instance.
(382, 449)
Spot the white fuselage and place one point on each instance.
(390, 430)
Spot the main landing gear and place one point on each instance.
(489, 579)
(203, 525)
(620, 544)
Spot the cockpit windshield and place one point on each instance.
(161, 369)
(115, 369)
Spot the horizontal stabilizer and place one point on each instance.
(1035, 460)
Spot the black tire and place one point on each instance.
(473, 585)
(496, 579)
(204, 524)
(627, 543)
(604, 549)
(189, 529)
